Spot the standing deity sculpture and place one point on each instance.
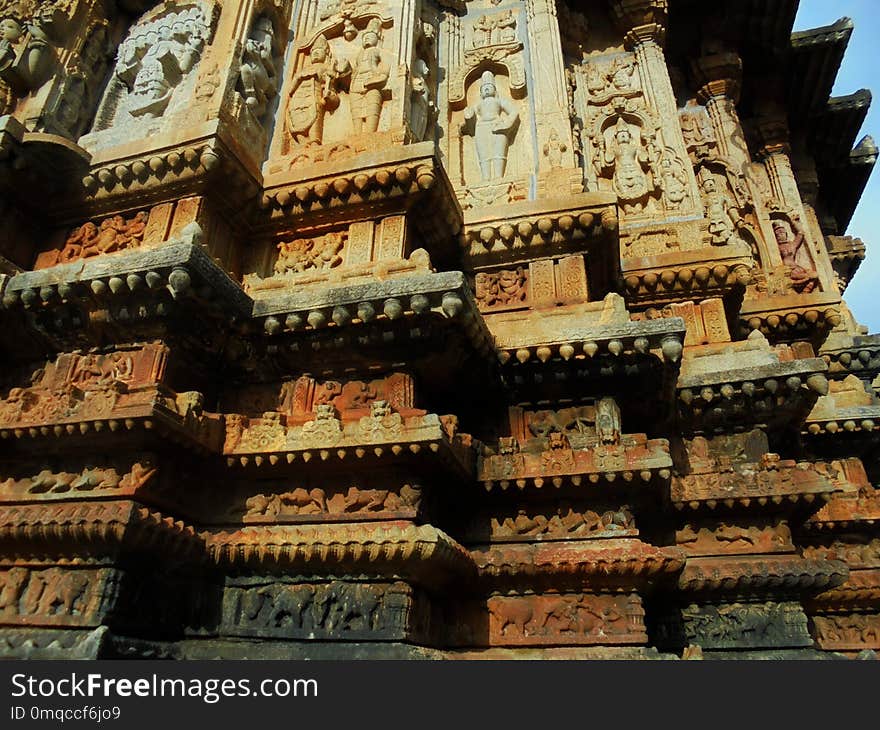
(368, 78)
(259, 78)
(314, 92)
(629, 163)
(493, 122)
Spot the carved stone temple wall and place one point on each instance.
(432, 329)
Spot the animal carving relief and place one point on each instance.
(54, 596)
(331, 610)
(565, 619)
(738, 624)
(156, 60)
(317, 501)
(566, 522)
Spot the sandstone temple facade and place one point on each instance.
(432, 328)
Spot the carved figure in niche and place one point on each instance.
(696, 129)
(258, 75)
(554, 149)
(629, 162)
(26, 54)
(721, 212)
(791, 240)
(423, 110)
(493, 122)
(674, 181)
(315, 92)
(368, 78)
(305, 254)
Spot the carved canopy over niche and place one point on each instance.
(155, 67)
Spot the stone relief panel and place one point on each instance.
(336, 610)
(565, 521)
(310, 503)
(54, 596)
(257, 74)
(359, 252)
(544, 283)
(113, 234)
(363, 77)
(739, 625)
(154, 74)
(565, 619)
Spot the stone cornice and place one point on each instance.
(621, 563)
(95, 529)
(783, 575)
(422, 553)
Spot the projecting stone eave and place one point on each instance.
(816, 56)
(624, 563)
(398, 550)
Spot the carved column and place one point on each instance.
(643, 22)
(721, 76)
(550, 89)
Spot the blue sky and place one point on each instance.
(858, 72)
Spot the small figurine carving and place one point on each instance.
(258, 75)
(554, 149)
(493, 122)
(629, 160)
(315, 92)
(422, 110)
(721, 212)
(608, 426)
(790, 241)
(368, 78)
